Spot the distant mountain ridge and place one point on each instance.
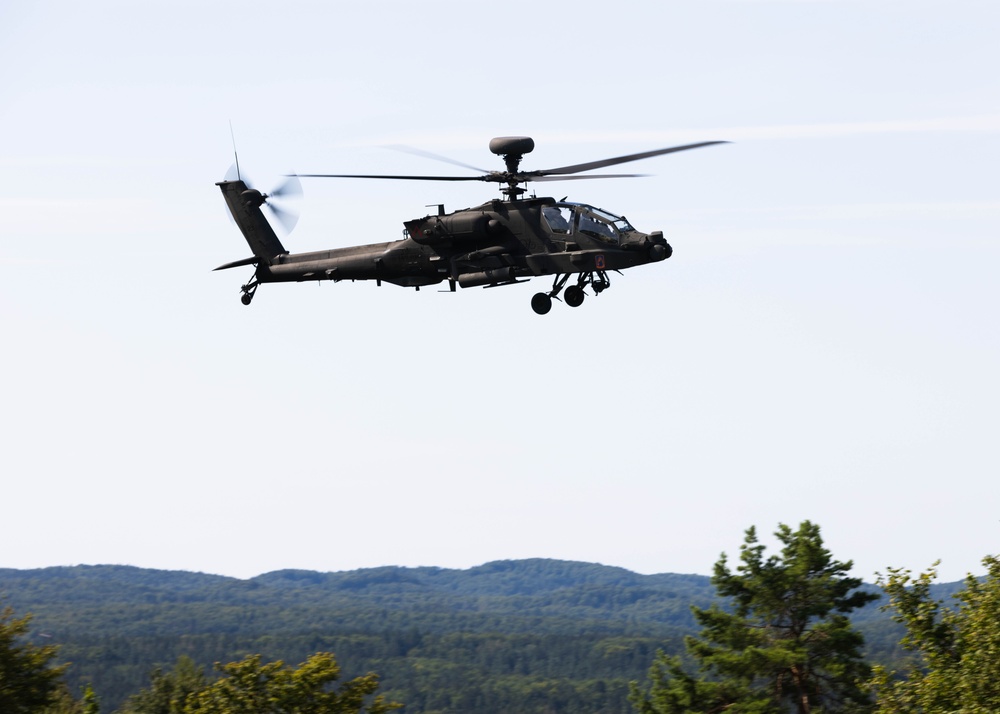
(533, 574)
(535, 587)
(442, 639)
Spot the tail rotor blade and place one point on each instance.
(275, 201)
(290, 188)
(285, 217)
(233, 174)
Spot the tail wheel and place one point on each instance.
(248, 291)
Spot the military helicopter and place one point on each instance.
(502, 242)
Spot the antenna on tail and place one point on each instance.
(235, 155)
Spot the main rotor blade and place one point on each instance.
(435, 157)
(576, 168)
(404, 178)
(580, 178)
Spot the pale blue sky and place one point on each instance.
(823, 344)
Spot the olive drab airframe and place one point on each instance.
(502, 242)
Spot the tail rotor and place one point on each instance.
(289, 190)
(281, 202)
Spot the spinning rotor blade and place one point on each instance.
(435, 157)
(410, 178)
(577, 168)
(233, 174)
(512, 149)
(580, 178)
(286, 218)
(291, 188)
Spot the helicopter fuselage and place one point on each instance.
(502, 242)
(497, 243)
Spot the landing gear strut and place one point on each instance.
(598, 280)
(248, 291)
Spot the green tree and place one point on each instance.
(91, 704)
(168, 692)
(63, 703)
(28, 681)
(785, 644)
(957, 648)
(250, 687)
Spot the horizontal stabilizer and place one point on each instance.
(252, 260)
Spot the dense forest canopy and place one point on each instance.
(567, 633)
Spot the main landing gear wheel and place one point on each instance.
(541, 303)
(246, 298)
(574, 295)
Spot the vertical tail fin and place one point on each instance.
(244, 203)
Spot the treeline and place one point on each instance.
(534, 635)
(429, 672)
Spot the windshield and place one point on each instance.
(572, 218)
(619, 222)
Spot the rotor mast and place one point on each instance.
(512, 149)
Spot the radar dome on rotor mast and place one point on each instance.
(512, 148)
(512, 145)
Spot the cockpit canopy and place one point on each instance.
(569, 219)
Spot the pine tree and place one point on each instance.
(28, 681)
(783, 644)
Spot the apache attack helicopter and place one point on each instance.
(502, 242)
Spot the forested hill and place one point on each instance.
(505, 596)
(566, 635)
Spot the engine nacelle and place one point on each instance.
(458, 227)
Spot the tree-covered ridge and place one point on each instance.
(524, 592)
(542, 631)
(504, 577)
(441, 639)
